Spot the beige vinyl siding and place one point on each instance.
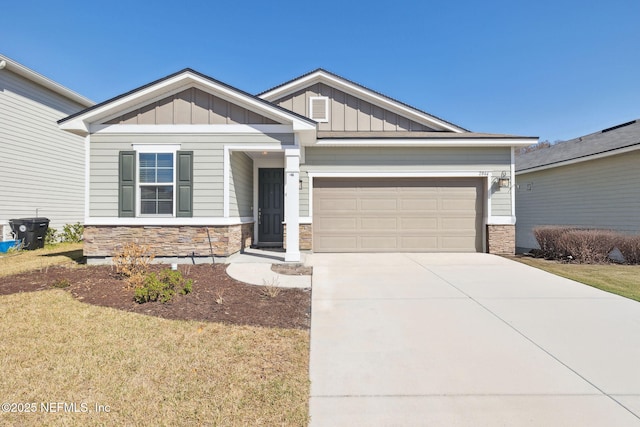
(241, 185)
(602, 193)
(191, 106)
(349, 113)
(41, 166)
(208, 165)
(411, 159)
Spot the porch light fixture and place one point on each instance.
(300, 185)
(504, 181)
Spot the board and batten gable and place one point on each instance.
(602, 193)
(399, 160)
(347, 113)
(191, 106)
(42, 166)
(208, 170)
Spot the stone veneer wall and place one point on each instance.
(501, 239)
(305, 239)
(168, 241)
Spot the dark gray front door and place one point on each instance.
(270, 205)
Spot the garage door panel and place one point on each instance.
(374, 243)
(419, 224)
(377, 215)
(375, 224)
(337, 223)
(337, 243)
(378, 204)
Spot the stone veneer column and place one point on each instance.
(501, 239)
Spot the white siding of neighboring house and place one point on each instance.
(602, 193)
(41, 166)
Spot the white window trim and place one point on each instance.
(326, 108)
(154, 148)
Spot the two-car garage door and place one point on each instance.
(401, 214)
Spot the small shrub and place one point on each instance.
(51, 237)
(587, 246)
(271, 288)
(72, 233)
(133, 259)
(629, 247)
(548, 239)
(61, 283)
(162, 286)
(220, 296)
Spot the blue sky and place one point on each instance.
(554, 69)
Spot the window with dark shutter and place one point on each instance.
(127, 184)
(184, 184)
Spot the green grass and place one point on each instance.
(146, 370)
(15, 262)
(619, 279)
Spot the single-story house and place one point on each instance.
(192, 166)
(42, 167)
(592, 181)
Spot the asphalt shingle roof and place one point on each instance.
(611, 139)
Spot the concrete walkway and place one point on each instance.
(467, 340)
(253, 266)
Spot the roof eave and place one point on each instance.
(80, 122)
(320, 74)
(43, 81)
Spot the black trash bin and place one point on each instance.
(30, 231)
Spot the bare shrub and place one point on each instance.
(271, 288)
(548, 239)
(587, 246)
(629, 247)
(132, 261)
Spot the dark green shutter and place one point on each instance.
(127, 184)
(185, 183)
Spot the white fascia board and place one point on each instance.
(190, 129)
(581, 159)
(168, 221)
(443, 174)
(430, 142)
(174, 85)
(43, 81)
(320, 76)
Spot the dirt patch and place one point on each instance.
(216, 297)
(292, 269)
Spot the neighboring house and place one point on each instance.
(592, 181)
(41, 166)
(188, 163)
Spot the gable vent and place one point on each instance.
(619, 126)
(319, 108)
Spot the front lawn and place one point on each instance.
(619, 279)
(101, 366)
(21, 261)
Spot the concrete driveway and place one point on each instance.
(467, 340)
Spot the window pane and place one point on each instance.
(147, 175)
(148, 193)
(165, 192)
(165, 175)
(165, 207)
(148, 207)
(147, 160)
(165, 160)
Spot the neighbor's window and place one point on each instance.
(156, 183)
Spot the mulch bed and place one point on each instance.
(241, 304)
